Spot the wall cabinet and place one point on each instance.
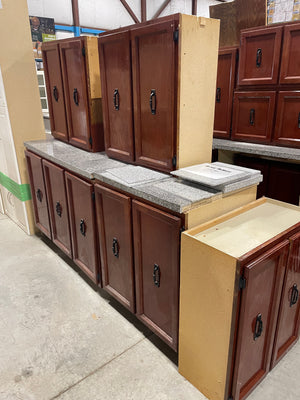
(74, 92)
(244, 267)
(290, 62)
(156, 89)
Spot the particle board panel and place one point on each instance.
(226, 13)
(197, 71)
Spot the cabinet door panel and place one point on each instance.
(259, 56)
(287, 128)
(283, 182)
(83, 226)
(224, 92)
(55, 92)
(258, 312)
(58, 208)
(156, 255)
(253, 114)
(153, 67)
(115, 64)
(115, 228)
(290, 61)
(38, 192)
(75, 87)
(288, 320)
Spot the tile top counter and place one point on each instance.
(157, 187)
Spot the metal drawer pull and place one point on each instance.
(115, 247)
(252, 116)
(258, 327)
(218, 95)
(153, 102)
(39, 195)
(294, 295)
(82, 227)
(116, 100)
(55, 93)
(58, 209)
(75, 96)
(156, 275)
(258, 58)
(299, 120)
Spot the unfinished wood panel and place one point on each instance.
(93, 68)
(197, 71)
(226, 13)
(250, 13)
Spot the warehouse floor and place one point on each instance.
(60, 339)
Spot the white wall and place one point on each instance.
(60, 10)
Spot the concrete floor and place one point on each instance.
(60, 339)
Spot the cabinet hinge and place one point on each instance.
(174, 161)
(93, 196)
(176, 35)
(182, 229)
(83, 51)
(91, 141)
(242, 283)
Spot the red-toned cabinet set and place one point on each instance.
(266, 99)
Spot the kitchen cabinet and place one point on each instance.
(38, 193)
(253, 114)
(156, 256)
(156, 88)
(237, 274)
(287, 126)
(290, 62)
(74, 91)
(58, 207)
(226, 79)
(115, 243)
(80, 195)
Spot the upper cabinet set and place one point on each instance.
(266, 105)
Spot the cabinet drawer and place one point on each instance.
(156, 256)
(259, 56)
(253, 114)
(115, 239)
(290, 62)
(58, 206)
(224, 92)
(287, 127)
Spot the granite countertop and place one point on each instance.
(157, 187)
(286, 153)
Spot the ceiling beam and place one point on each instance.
(130, 12)
(161, 9)
(75, 12)
(194, 7)
(143, 10)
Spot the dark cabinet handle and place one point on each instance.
(82, 227)
(55, 93)
(156, 275)
(258, 327)
(116, 100)
(252, 116)
(294, 295)
(39, 195)
(153, 101)
(258, 57)
(299, 120)
(115, 247)
(218, 95)
(58, 208)
(75, 96)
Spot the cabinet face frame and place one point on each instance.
(290, 55)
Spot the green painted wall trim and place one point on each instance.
(22, 192)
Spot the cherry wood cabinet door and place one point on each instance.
(38, 192)
(115, 65)
(83, 225)
(290, 61)
(75, 88)
(253, 114)
(289, 314)
(156, 254)
(258, 317)
(224, 93)
(58, 207)
(115, 242)
(153, 67)
(287, 127)
(55, 91)
(259, 56)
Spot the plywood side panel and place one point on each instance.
(219, 207)
(93, 69)
(198, 55)
(207, 295)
